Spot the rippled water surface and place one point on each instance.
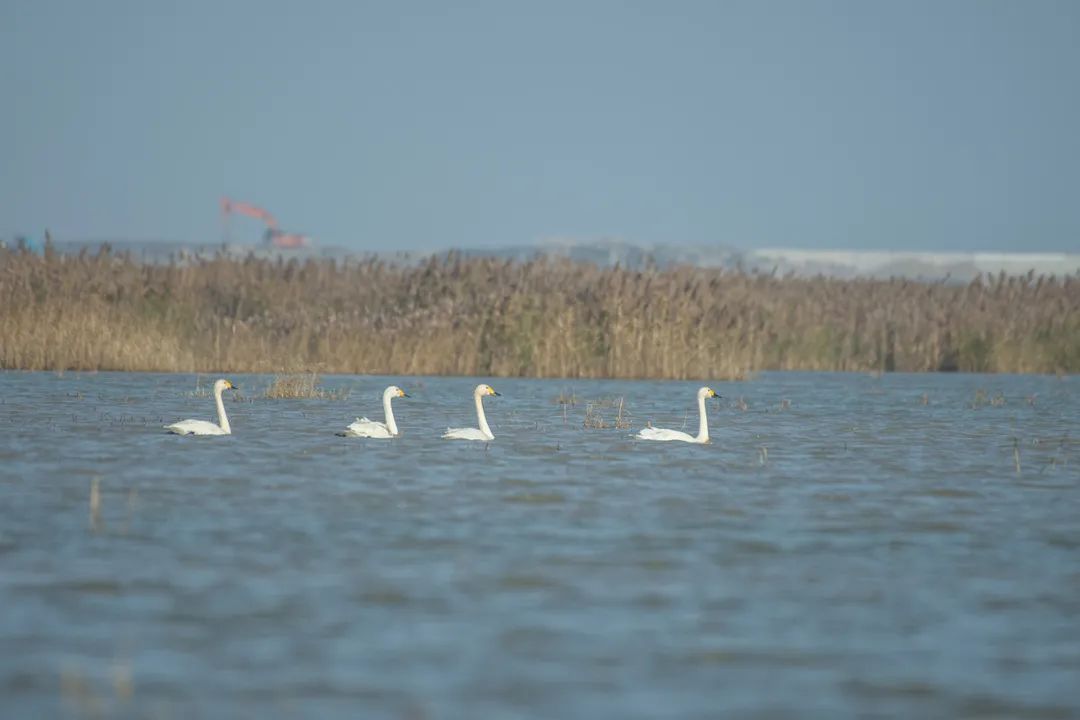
(901, 546)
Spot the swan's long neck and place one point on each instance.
(703, 422)
(388, 411)
(223, 419)
(480, 417)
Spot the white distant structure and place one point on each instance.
(916, 265)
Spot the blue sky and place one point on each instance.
(810, 124)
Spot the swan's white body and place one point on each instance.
(373, 429)
(202, 427)
(484, 432)
(663, 434)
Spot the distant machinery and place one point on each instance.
(273, 236)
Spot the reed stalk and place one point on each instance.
(543, 318)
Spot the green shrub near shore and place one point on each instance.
(548, 318)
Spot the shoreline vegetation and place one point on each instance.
(453, 315)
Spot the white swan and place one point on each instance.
(370, 428)
(484, 433)
(651, 433)
(202, 427)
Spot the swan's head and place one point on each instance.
(394, 391)
(222, 385)
(707, 392)
(482, 390)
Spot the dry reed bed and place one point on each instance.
(497, 318)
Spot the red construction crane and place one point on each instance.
(273, 236)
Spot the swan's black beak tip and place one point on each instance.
(405, 394)
(496, 394)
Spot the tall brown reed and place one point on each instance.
(460, 316)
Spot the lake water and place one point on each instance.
(896, 546)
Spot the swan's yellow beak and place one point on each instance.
(491, 391)
(402, 393)
(229, 385)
